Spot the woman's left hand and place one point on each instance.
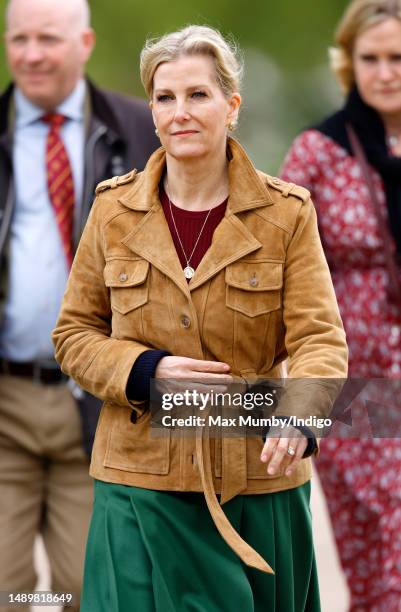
(284, 451)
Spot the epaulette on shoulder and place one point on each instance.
(288, 188)
(116, 181)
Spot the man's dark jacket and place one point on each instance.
(119, 137)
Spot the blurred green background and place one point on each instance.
(287, 84)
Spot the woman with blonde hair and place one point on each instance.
(199, 268)
(351, 162)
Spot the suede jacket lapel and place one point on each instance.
(232, 239)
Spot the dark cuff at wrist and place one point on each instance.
(312, 443)
(143, 370)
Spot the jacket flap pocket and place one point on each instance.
(255, 276)
(125, 273)
(135, 449)
(126, 280)
(254, 288)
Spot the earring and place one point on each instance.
(232, 126)
(157, 132)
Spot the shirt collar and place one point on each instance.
(72, 107)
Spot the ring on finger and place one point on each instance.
(291, 451)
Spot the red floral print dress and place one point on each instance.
(361, 477)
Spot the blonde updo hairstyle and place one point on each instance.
(358, 17)
(194, 40)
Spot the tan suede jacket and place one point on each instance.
(261, 293)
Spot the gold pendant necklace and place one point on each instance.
(188, 270)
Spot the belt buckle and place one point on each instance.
(39, 368)
(36, 372)
(4, 367)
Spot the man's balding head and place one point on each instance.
(48, 43)
(77, 10)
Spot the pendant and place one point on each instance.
(188, 272)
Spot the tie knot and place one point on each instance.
(55, 120)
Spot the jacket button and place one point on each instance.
(253, 281)
(185, 321)
(123, 277)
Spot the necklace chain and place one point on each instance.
(188, 271)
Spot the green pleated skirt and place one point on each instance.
(157, 551)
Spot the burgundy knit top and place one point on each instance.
(189, 223)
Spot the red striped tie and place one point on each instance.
(60, 183)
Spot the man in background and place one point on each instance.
(59, 137)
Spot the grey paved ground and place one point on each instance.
(332, 585)
(333, 588)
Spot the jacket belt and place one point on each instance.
(233, 451)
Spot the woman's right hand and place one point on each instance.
(174, 367)
(181, 374)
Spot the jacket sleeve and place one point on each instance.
(83, 338)
(315, 338)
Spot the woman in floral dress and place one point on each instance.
(362, 477)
